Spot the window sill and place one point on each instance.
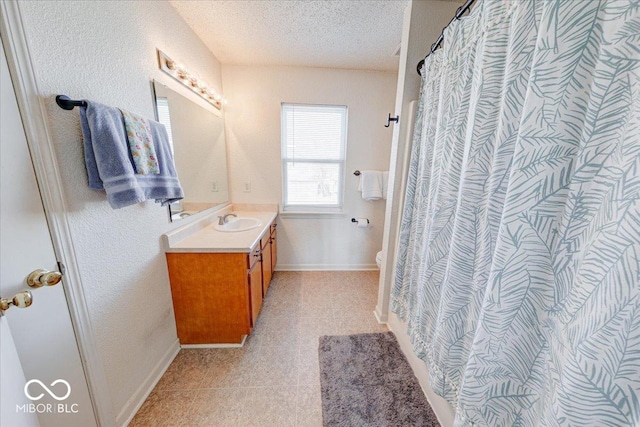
(311, 215)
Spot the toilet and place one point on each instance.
(379, 258)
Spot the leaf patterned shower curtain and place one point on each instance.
(518, 266)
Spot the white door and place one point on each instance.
(52, 385)
(12, 379)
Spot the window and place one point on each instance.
(313, 155)
(162, 105)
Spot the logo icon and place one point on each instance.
(47, 389)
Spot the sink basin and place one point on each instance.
(242, 223)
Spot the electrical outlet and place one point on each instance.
(247, 187)
(214, 187)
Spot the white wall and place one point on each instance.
(253, 138)
(106, 52)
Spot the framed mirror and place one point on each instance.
(197, 138)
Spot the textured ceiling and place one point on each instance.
(355, 34)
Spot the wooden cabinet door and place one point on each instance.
(211, 296)
(274, 248)
(255, 291)
(266, 263)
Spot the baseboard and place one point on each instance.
(238, 345)
(379, 317)
(326, 267)
(135, 402)
(444, 412)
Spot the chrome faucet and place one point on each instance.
(222, 219)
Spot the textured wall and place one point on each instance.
(106, 53)
(253, 137)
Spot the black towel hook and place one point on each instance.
(392, 119)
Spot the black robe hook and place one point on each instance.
(391, 119)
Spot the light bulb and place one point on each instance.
(182, 71)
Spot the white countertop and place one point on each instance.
(208, 239)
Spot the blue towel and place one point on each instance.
(110, 166)
(165, 187)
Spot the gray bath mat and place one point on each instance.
(366, 381)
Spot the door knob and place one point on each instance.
(21, 299)
(39, 278)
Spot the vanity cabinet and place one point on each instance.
(217, 296)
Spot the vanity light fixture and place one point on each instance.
(179, 72)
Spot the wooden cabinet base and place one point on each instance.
(210, 297)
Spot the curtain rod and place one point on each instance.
(459, 12)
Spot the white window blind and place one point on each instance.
(162, 105)
(313, 156)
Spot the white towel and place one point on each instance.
(385, 184)
(371, 185)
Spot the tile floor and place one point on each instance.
(274, 379)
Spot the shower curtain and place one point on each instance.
(518, 266)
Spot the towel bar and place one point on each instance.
(67, 103)
(355, 220)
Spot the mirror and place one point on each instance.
(198, 141)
